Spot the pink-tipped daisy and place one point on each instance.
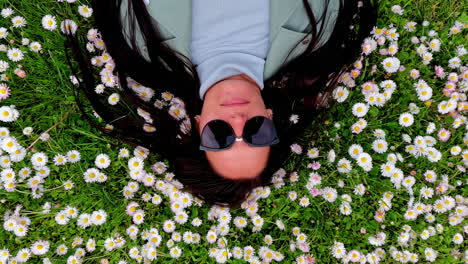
(4, 91)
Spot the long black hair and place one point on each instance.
(316, 71)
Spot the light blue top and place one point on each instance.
(288, 23)
(229, 38)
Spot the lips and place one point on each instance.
(235, 102)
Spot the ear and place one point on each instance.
(270, 113)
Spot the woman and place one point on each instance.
(241, 133)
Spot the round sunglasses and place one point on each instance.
(218, 135)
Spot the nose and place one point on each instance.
(237, 121)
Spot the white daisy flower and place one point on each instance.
(61, 249)
(340, 94)
(360, 189)
(99, 217)
(354, 150)
(68, 27)
(454, 63)
(35, 46)
(380, 146)
(175, 252)
(391, 64)
(18, 21)
(457, 239)
(90, 245)
(49, 22)
(169, 226)
(124, 153)
(344, 165)
(73, 156)
(113, 99)
(3, 33)
(427, 57)
(85, 11)
(345, 208)
(410, 26)
(360, 109)
(84, 220)
(434, 45)
(329, 194)
(406, 119)
(6, 12)
(39, 159)
(15, 54)
(61, 218)
(102, 161)
(40, 247)
(430, 254)
(4, 66)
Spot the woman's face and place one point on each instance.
(235, 100)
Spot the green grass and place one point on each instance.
(45, 96)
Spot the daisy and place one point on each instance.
(454, 63)
(6, 12)
(364, 160)
(40, 247)
(430, 254)
(410, 26)
(15, 54)
(340, 94)
(85, 11)
(113, 99)
(443, 134)
(181, 217)
(68, 27)
(39, 159)
(434, 45)
(392, 48)
(73, 156)
(123, 153)
(345, 208)
(427, 57)
(175, 252)
(380, 146)
(109, 244)
(240, 222)
(360, 109)
(99, 217)
(354, 255)
(406, 119)
(3, 33)
(18, 21)
(49, 22)
(424, 93)
(169, 226)
(304, 202)
(329, 194)
(35, 46)
(60, 159)
(84, 220)
(102, 161)
(391, 64)
(3, 64)
(313, 153)
(344, 165)
(61, 218)
(141, 152)
(62, 249)
(354, 150)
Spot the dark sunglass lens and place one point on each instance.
(217, 134)
(259, 130)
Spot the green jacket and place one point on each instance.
(173, 18)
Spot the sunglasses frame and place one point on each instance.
(273, 142)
